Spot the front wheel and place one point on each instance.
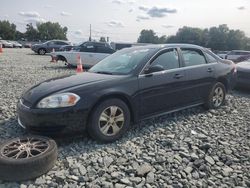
(109, 120)
(216, 96)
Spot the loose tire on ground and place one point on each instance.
(211, 99)
(96, 125)
(12, 169)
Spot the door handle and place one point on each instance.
(209, 70)
(178, 76)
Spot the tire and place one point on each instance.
(95, 124)
(12, 169)
(41, 51)
(213, 101)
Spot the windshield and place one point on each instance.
(122, 62)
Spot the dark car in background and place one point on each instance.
(130, 85)
(243, 74)
(66, 48)
(48, 46)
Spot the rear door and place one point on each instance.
(162, 91)
(199, 73)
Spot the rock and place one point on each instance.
(82, 170)
(171, 136)
(226, 171)
(106, 184)
(188, 170)
(194, 156)
(126, 181)
(40, 181)
(178, 158)
(118, 185)
(143, 169)
(107, 161)
(150, 177)
(209, 160)
(136, 180)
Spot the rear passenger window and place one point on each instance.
(193, 57)
(210, 58)
(168, 60)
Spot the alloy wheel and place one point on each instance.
(25, 148)
(218, 96)
(111, 120)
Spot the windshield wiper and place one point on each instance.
(104, 72)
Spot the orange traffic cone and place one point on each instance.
(1, 48)
(53, 60)
(79, 64)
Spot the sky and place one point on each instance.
(122, 20)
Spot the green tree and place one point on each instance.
(7, 30)
(31, 33)
(49, 31)
(148, 36)
(218, 37)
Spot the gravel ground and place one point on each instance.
(191, 148)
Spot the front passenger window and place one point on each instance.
(168, 60)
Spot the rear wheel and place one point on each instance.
(109, 120)
(216, 96)
(41, 51)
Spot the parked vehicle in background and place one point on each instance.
(66, 48)
(48, 46)
(16, 44)
(121, 45)
(27, 45)
(242, 58)
(243, 74)
(235, 54)
(90, 53)
(222, 54)
(6, 44)
(130, 85)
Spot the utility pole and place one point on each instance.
(90, 33)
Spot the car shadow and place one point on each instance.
(12, 129)
(35, 54)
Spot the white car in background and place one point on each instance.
(6, 44)
(90, 53)
(235, 54)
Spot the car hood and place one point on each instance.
(54, 85)
(244, 65)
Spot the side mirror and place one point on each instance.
(155, 68)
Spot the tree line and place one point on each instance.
(42, 31)
(216, 38)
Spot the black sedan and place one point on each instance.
(128, 86)
(243, 75)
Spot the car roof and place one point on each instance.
(173, 45)
(239, 51)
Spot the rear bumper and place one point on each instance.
(51, 121)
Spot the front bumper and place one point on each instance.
(51, 121)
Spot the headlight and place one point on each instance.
(59, 100)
